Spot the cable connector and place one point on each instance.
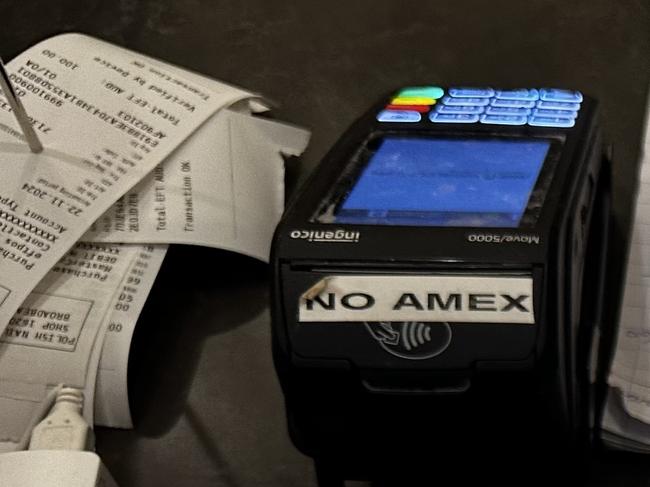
(64, 428)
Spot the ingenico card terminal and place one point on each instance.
(438, 281)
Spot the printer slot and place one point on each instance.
(415, 383)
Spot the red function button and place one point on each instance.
(415, 108)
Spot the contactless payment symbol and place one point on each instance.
(413, 340)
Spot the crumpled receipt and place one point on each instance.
(138, 154)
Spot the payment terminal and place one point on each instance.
(438, 282)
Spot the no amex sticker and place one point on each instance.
(467, 299)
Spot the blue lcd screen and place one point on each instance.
(451, 182)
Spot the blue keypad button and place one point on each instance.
(469, 109)
(524, 94)
(558, 105)
(466, 92)
(492, 110)
(554, 94)
(504, 119)
(453, 118)
(561, 122)
(496, 102)
(399, 116)
(545, 112)
(479, 102)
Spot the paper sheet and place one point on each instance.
(125, 130)
(626, 422)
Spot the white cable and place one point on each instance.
(64, 428)
(57, 455)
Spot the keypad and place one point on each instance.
(543, 107)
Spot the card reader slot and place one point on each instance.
(412, 383)
(414, 268)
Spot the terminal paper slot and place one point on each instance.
(415, 384)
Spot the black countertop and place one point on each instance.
(208, 406)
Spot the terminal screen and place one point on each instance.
(450, 182)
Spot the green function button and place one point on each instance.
(434, 92)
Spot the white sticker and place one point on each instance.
(464, 299)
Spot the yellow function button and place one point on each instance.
(412, 100)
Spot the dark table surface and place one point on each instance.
(208, 407)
